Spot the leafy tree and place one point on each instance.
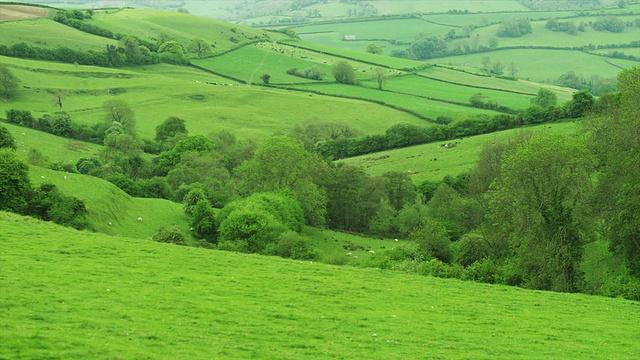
(254, 228)
(497, 68)
(580, 104)
(170, 128)
(49, 204)
(432, 240)
(6, 139)
(615, 142)
(281, 163)
(545, 98)
(192, 199)
(119, 111)
(15, 188)
(344, 73)
(514, 28)
(399, 188)
(203, 221)
(199, 47)
(265, 78)
(513, 69)
(374, 49)
(8, 82)
(380, 75)
(537, 204)
(428, 47)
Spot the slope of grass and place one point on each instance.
(434, 161)
(76, 295)
(540, 65)
(107, 203)
(149, 24)
(159, 91)
(50, 34)
(55, 148)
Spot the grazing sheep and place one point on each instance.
(396, 240)
(139, 219)
(371, 252)
(109, 223)
(42, 176)
(349, 254)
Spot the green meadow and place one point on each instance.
(49, 34)
(434, 161)
(102, 297)
(541, 65)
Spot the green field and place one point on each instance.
(425, 107)
(107, 203)
(159, 91)
(540, 65)
(50, 34)
(434, 161)
(77, 295)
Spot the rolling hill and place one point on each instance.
(71, 294)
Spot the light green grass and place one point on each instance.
(335, 39)
(159, 91)
(541, 65)
(429, 108)
(49, 34)
(107, 203)
(437, 89)
(56, 148)
(523, 86)
(149, 24)
(76, 295)
(433, 161)
(486, 18)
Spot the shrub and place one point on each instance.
(170, 234)
(472, 248)
(292, 245)
(257, 228)
(484, 270)
(437, 268)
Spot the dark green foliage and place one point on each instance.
(15, 187)
(170, 128)
(22, 117)
(198, 144)
(265, 78)
(563, 26)
(343, 73)
(255, 229)
(374, 49)
(8, 82)
(170, 234)
(49, 204)
(472, 248)
(203, 222)
(294, 246)
(433, 240)
(514, 28)
(545, 98)
(399, 188)
(87, 165)
(580, 104)
(609, 23)
(6, 139)
(119, 111)
(428, 47)
(192, 199)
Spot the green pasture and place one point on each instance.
(625, 50)
(360, 55)
(249, 63)
(425, 107)
(396, 29)
(55, 148)
(435, 6)
(78, 295)
(49, 34)
(541, 36)
(483, 18)
(336, 40)
(440, 90)
(107, 203)
(159, 91)
(434, 161)
(541, 65)
(522, 86)
(149, 24)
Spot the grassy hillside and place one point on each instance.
(434, 161)
(20, 12)
(77, 295)
(107, 203)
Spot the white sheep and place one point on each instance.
(371, 252)
(139, 219)
(349, 254)
(109, 223)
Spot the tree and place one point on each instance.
(497, 68)
(8, 82)
(513, 70)
(58, 99)
(486, 63)
(428, 47)
(374, 49)
(203, 221)
(119, 111)
(15, 188)
(6, 139)
(545, 98)
(432, 240)
(170, 234)
(199, 47)
(343, 73)
(537, 205)
(170, 128)
(265, 78)
(615, 133)
(580, 104)
(380, 75)
(400, 189)
(281, 163)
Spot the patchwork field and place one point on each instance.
(101, 297)
(434, 161)
(21, 12)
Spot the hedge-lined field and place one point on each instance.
(73, 295)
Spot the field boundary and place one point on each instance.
(475, 86)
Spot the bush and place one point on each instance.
(170, 234)
(255, 227)
(437, 268)
(484, 271)
(292, 245)
(472, 248)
